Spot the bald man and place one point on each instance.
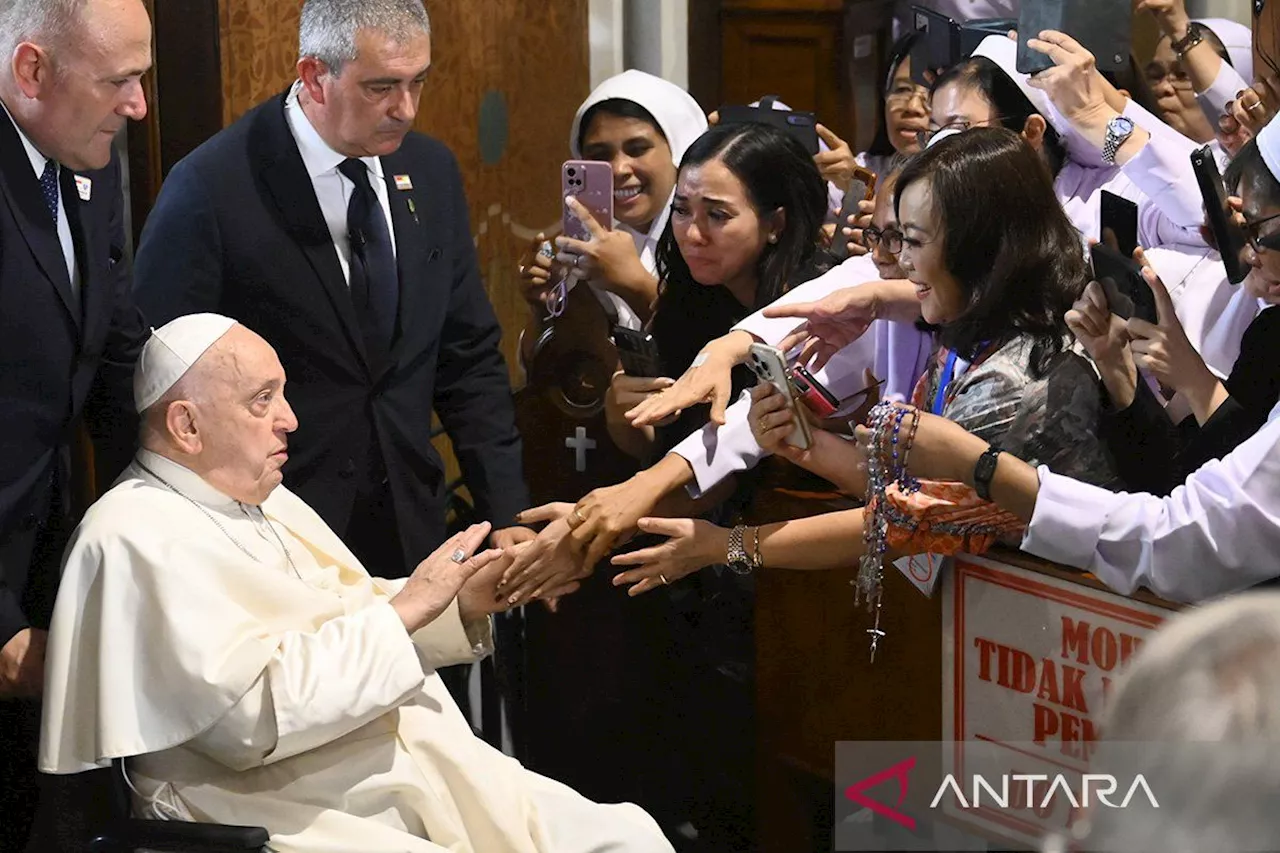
(258, 674)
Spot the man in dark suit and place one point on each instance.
(69, 331)
(322, 223)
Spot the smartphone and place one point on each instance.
(932, 52)
(1121, 216)
(1128, 294)
(770, 366)
(1103, 27)
(1229, 236)
(811, 392)
(637, 352)
(801, 125)
(863, 188)
(591, 183)
(944, 41)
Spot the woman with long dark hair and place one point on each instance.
(745, 225)
(997, 287)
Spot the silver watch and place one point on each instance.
(1119, 129)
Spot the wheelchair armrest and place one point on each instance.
(180, 837)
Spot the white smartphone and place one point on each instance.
(770, 365)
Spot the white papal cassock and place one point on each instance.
(249, 688)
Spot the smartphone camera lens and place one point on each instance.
(573, 172)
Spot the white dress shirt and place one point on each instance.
(38, 162)
(1216, 534)
(333, 189)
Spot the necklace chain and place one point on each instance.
(220, 525)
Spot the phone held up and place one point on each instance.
(1229, 237)
(637, 352)
(770, 366)
(591, 183)
(863, 188)
(1128, 294)
(811, 392)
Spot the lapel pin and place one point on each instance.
(404, 183)
(413, 211)
(84, 186)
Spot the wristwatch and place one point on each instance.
(737, 558)
(984, 471)
(1118, 130)
(1195, 35)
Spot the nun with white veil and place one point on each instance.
(641, 125)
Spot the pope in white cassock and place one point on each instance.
(214, 631)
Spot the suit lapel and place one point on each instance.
(22, 194)
(285, 178)
(88, 239)
(417, 247)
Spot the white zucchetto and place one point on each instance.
(171, 351)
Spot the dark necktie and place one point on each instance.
(49, 188)
(375, 281)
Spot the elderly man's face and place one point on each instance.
(89, 86)
(243, 419)
(371, 105)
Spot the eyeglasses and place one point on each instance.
(890, 237)
(1175, 74)
(1270, 242)
(924, 136)
(902, 95)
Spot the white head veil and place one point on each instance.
(681, 121)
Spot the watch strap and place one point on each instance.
(1195, 35)
(984, 470)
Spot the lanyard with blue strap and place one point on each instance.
(948, 373)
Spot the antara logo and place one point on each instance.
(1092, 786)
(1101, 785)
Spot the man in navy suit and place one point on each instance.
(69, 331)
(321, 222)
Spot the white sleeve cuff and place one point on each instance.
(1068, 520)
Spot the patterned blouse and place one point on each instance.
(1053, 420)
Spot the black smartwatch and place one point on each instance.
(984, 471)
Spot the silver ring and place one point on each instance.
(663, 578)
(458, 556)
(1254, 106)
(546, 249)
(577, 262)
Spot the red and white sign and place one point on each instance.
(1027, 663)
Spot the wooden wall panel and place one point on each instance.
(796, 57)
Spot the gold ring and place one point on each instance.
(663, 578)
(577, 517)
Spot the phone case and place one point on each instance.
(1121, 216)
(637, 352)
(768, 364)
(862, 189)
(1103, 27)
(591, 183)
(810, 392)
(1126, 275)
(1229, 236)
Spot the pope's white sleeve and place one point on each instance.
(1216, 534)
(319, 686)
